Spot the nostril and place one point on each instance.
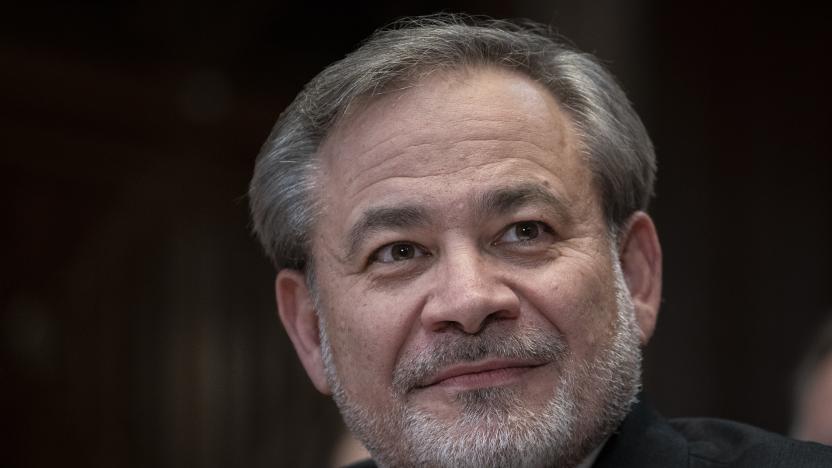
(494, 317)
(475, 327)
(468, 297)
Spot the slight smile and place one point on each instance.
(471, 376)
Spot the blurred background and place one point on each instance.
(137, 313)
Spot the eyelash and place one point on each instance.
(420, 251)
(542, 228)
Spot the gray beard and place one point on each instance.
(496, 428)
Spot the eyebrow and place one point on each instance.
(499, 201)
(383, 218)
(505, 200)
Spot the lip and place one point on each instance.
(479, 374)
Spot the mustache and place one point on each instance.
(532, 344)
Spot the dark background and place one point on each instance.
(138, 323)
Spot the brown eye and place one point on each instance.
(526, 230)
(401, 251)
(398, 252)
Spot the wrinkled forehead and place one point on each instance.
(423, 126)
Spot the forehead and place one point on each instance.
(446, 109)
(451, 131)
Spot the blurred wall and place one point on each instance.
(137, 312)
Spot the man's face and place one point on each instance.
(468, 291)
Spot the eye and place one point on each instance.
(524, 231)
(397, 252)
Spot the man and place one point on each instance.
(456, 213)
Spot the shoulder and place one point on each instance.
(647, 440)
(717, 442)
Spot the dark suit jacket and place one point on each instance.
(646, 440)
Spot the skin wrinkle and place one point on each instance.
(346, 131)
(560, 248)
(569, 244)
(506, 278)
(564, 146)
(605, 378)
(496, 202)
(523, 293)
(372, 147)
(567, 293)
(459, 250)
(575, 248)
(480, 92)
(568, 200)
(384, 218)
(405, 153)
(502, 201)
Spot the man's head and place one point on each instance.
(455, 214)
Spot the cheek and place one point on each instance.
(366, 333)
(578, 303)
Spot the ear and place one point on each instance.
(297, 312)
(641, 262)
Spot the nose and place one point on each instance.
(469, 293)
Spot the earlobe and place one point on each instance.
(297, 312)
(641, 262)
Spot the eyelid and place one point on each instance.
(544, 229)
(420, 251)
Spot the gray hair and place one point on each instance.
(618, 150)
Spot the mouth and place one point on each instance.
(471, 376)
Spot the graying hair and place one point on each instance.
(618, 150)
